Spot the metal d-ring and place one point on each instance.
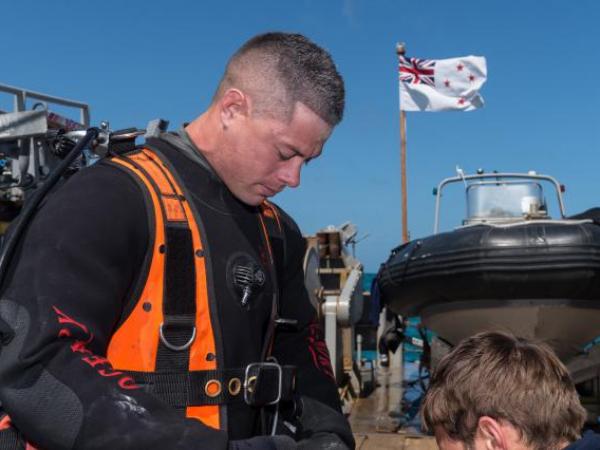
(176, 348)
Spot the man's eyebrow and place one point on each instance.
(297, 152)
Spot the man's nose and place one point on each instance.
(290, 173)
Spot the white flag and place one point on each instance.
(441, 84)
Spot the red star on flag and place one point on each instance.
(460, 67)
(447, 83)
(461, 101)
(471, 78)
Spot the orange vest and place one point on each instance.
(154, 329)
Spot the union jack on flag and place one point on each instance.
(417, 71)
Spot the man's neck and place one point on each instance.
(203, 132)
(564, 444)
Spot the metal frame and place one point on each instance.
(21, 96)
(484, 176)
(32, 154)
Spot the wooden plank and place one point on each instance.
(394, 441)
(374, 428)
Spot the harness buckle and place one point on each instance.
(258, 383)
(176, 348)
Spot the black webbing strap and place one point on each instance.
(11, 439)
(214, 387)
(179, 301)
(276, 238)
(120, 146)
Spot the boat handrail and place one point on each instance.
(21, 95)
(498, 176)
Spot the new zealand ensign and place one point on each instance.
(441, 84)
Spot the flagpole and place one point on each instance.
(401, 50)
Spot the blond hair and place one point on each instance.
(507, 378)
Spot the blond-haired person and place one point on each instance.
(495, 391)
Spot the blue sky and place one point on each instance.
(133, 61)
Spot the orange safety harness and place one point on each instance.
(167, 343)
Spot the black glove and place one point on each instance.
(264, 443)
(323, 441)
(322, 427)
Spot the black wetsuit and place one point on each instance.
(589, 441)
(84, 254)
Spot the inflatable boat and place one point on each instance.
(509, 266)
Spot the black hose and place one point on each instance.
(31, 205)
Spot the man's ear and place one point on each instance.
(491, 434)
(233, 105)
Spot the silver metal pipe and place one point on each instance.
(485, 176)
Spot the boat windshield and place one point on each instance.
(504, 200)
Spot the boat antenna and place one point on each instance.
(355, 241)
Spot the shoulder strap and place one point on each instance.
(275, 238)
(177, 285)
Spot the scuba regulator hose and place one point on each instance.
(22, 220)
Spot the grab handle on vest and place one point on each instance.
(176, 348)
(291, 324)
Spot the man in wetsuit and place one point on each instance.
(150, 289)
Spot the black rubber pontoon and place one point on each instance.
(532, 275)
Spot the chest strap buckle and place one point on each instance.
(263, 383)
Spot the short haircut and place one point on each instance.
(279, 69)
(507, 378)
